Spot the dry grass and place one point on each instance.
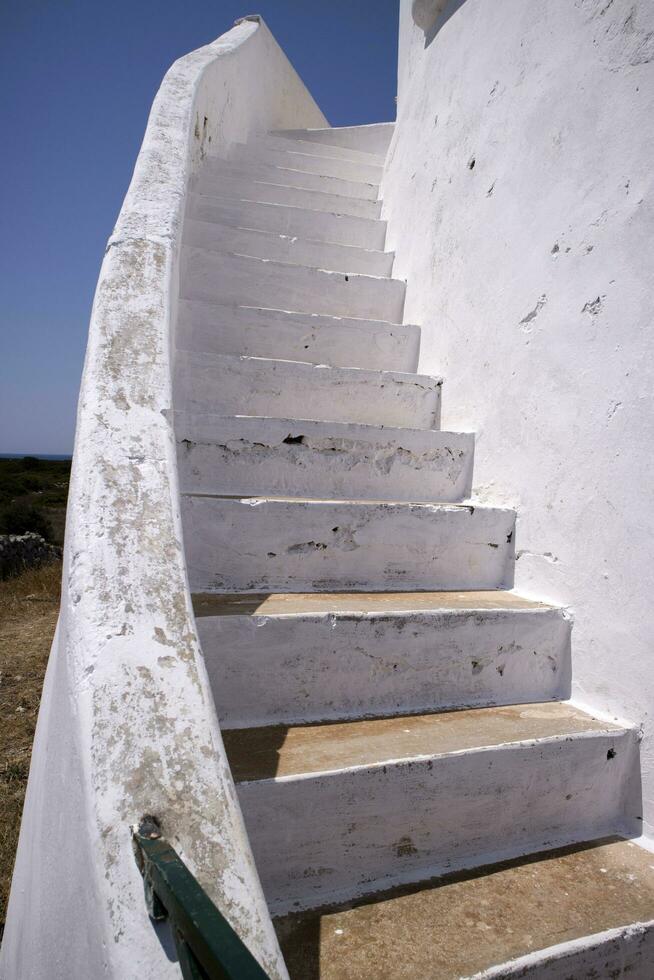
(29, 604)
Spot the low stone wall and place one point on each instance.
(20, 551)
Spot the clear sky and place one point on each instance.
(77, 78)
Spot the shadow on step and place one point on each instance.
(462, 923)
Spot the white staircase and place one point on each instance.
(391, 711)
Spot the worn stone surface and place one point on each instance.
(457, 926)
(265, 753)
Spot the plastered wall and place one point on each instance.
(519, 198)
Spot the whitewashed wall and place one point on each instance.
(519, 194)
(128, 724)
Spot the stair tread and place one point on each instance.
(409, 377)
(462, 924)
(291, 750)
(294, 315)
(272, 235)
(208, 198)
(327, 150)
(356, 502)
(260, 182)
(217, 167)
(262, 260)
(308, 603)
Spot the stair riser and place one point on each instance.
(284, 248)
(258, 190)
(335, 836)
(319, 149)
(284, 389)
(213, 170)
(250, 457)
(269, 670)
(225, 278)
(370, 345)
(325, 166)
(281, 546)
(342, 229)
(626, 952)
(371, 138)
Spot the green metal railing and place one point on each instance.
(207, 946)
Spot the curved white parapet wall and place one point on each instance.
(127, 723)
(518, 190)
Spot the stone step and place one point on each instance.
(213, 169)
(371, 137)
(222, 277)
(564, 913)
(287, 248)
(341, 229)
(228, 385)
(257, 189)
(299, 658)
(314, 147)
(281, 545)
(250, 456)
(318, 339)
(338, 810)
(289, 156)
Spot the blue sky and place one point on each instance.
(77, 78)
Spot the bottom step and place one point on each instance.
(560, 914)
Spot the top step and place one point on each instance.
(312, 148)
(372, 138)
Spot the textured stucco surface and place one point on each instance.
(518, 195)
(128, 723)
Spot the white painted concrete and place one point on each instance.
(258, 189)
(128, 724)
(301, 458)
(518, 197)
(312, 147)
(228, 278)
(294, 668)
(625, 952)
(319, 226)
(373, 138)
(228, 385)
(322, 837)
(214, 169)
(285, 248)
(265, 545)
(318, 339)
(328, 166)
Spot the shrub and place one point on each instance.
(19, 518)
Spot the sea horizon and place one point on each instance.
(54, 456)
